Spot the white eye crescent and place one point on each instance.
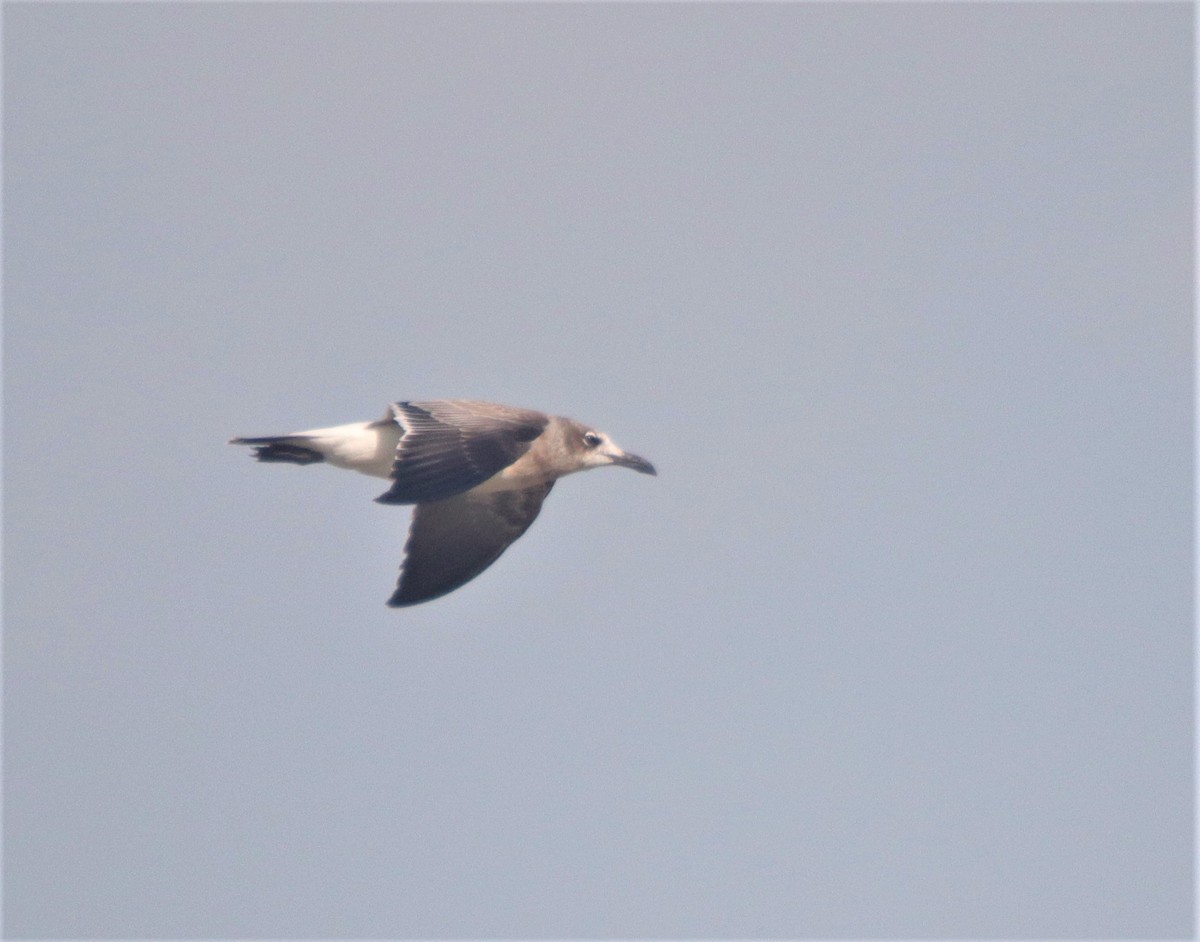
(591, 439)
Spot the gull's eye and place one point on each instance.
(591, 439)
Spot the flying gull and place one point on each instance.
(476, 471)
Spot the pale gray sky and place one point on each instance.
(898, 299)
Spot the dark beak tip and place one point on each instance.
(637, 463)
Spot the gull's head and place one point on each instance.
(596, 450)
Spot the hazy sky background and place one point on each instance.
(898, 299)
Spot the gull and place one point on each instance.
(476, 471)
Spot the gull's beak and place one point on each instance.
(635, 462)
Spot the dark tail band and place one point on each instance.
(289, 450)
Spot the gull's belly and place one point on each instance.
(523, 473)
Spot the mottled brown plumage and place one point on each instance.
(476, 471)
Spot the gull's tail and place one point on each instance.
(289, 448)
(366, 447)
